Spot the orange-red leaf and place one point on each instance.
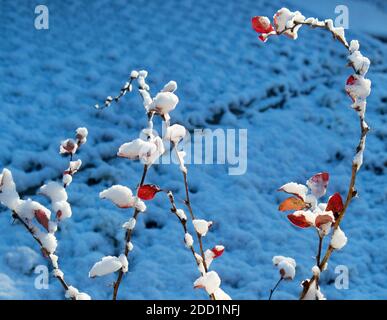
(292, 203)
(261, 24)
(217, 251)
(148, 191)
(299, 220)
(335, 203)
(322, 219)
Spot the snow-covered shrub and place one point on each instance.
(148, 149)
(308, 211)
(39, 221)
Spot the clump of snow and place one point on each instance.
(67, 179)
(360, 63)
(141, 80)
(134, 74)
(120, 195)
(48, 241)
(57, 273)
(62, 209)
(285, 19)
(201, 226)
(316, 271)
(354, 46)
(130, 246)
(164, 103)
(8, 194)
(130, 224)
(188, 240)
(68, 146)
(54, 260)
(221, 295)
(313, 292)
(295, 188)
(146, 151)
(339, 240)
(180, 156)
(54, 191)
(124, 262)
(181, 214)
(210, 281)
(81, 135)
(82, 296)
(171, 86)
(286, 266)
(74, 166)
(26, 209)
(107, 265)
(139, 205)
(73, 293)
(175, 133)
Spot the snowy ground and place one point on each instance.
(288, 94)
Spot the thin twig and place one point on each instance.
(320, 242)
(184, 225)
(44, 250)
(128, 237)
(275, 287)
(187, 202)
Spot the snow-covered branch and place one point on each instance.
(325, 217)
(148, 149)
(31, 213)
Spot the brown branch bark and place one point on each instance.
(320, 242)
(128, 237)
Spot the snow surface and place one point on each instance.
(288, 94)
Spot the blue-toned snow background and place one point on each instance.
(288, 94)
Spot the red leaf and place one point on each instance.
(299, 220)
(217, 251)
(261, 24)
(148, 191)
(335, 203)
(42, 218)
(318, 184)
(292, 203)
(322, 219)
(351, 80)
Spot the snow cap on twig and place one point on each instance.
(81, 135)
(8, 194)
(109, 264)
(286, 266)
(285, 19)
(181, 214)
(201, 226)
(54, 191)
(120, 195)
(175, 133)
(68, 146)
(130, 224)
(146, 151)
(210, 281)
(171, 86)
(339, 240)
(188, 240)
